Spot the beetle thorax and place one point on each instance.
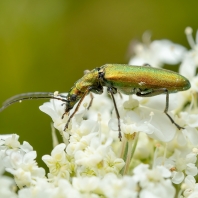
(90, 79)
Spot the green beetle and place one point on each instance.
(144, 81)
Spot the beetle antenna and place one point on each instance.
(31, 96)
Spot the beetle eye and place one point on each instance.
(73, 97)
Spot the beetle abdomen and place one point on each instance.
(124, 77)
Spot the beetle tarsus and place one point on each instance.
(166, 110)
(120, 136)
(173, 122)
(63, 115)
(66, 126)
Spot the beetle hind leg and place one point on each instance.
(149, 93)
(166, 111)
(171, 119)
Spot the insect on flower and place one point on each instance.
(144, 81)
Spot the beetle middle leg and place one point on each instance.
(149, 93)
(112, 91)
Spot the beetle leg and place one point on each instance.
(97, 90)
(150, 92)
(112, 91)
(91, 101)
(76, 109)
(166, 111)
(120, 94)
(155, 92)
(146, 64)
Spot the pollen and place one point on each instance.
(142, 83)
(56, 93)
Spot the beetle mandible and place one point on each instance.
(144, 81)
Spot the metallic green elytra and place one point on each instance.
(125, 78)
(144, 81)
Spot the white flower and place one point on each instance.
(79, 142)
(19, 160)
(86, 184)
(157, 53)
(93, 154)
(24, 168)
(101, 104)
(66, 190)
(144, 147)
(179, 163)
(26, 147)
(22, 178)
(137, 118)
(153, 183)
(7, 184)
(7, 187)
(190, 62)
(55, 109)
(57, 162)
(43, 188)
(10, 143)
(190, 132)
(3, 137)
(191, 187)
(112, 163)
(2, 167)
(114, 187)
(194, 84)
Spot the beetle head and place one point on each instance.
(71, 101)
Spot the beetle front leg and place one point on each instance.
(155, 92)
(76, 109)
(112, 91)
(91, 100)
(98, 90)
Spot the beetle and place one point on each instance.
(144, 81)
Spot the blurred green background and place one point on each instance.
(46, 45)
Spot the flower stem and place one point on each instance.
(131, 150)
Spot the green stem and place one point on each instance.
(134, 144)
(124, 153)
(126, 169)
(123, 149)
(131, 150)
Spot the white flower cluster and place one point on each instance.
(19, 160)
(63, 181)
(154, 159)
